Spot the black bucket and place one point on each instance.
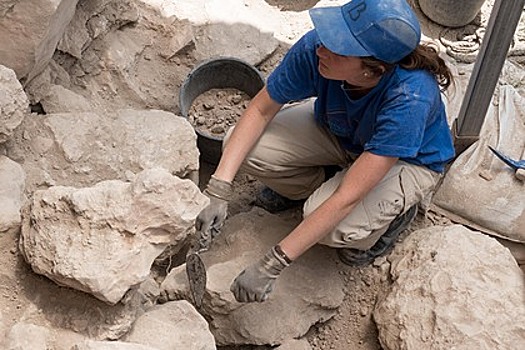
(217, 73)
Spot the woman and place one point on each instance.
(371, 104)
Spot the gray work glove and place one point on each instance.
(256, 282)
(211, 218)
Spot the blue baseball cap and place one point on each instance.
(385, 29)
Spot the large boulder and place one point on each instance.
(453, 289)
(103, 240)
(173, 325)
(224, 33)
(308, 292)
(29, 336)
(81, 149)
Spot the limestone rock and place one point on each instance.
(228, 33)
(14, 105)
(30, 31)
(61, 100)
(3, 331)
(12, 183)
(173, 325)
(147, 293)
(75, 316)
(454, 289)
(111, 345)
(81, 149)
(307, 292)
(69, 314)
(295, 344)
(122, 65)
(29, 336)
(103, 240)
(26, 336)
(93, 19)
(142, 138)
(40, 89)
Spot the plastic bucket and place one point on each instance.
(217, 73)
(451, 13)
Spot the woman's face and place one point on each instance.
(347, 68)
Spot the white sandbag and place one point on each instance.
(481, 190)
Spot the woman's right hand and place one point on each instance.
(259, 113)
(210, 220)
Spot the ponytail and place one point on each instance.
(425, 56)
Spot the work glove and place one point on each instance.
(256, 282)
(211, 218)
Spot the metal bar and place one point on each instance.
(499, 33)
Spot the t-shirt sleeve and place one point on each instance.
(296, 77)
(400, 126)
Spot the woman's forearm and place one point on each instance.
(366, 172)
(315, 226)
(248, 130)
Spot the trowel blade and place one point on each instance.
(196, 272)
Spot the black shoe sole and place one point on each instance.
(273, 202)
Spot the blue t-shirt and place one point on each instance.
(403, 116)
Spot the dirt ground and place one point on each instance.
(21, 290)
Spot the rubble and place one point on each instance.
(103, 240)
(100, 176)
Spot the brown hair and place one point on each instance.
(425, 56)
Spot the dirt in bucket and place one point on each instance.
(213, 112)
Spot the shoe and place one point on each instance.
(356, 257)
(273, 202)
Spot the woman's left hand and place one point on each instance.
(256, 282)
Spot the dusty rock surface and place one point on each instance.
(104, 239)
(173, 325)
(13, 103)
(12, 185)
(438, 285)
(81, 149)
(270, 322)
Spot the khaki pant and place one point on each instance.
(289, 158)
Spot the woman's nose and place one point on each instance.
(322, 52)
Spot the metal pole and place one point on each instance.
(498, 36)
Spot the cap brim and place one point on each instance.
(334, 33)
